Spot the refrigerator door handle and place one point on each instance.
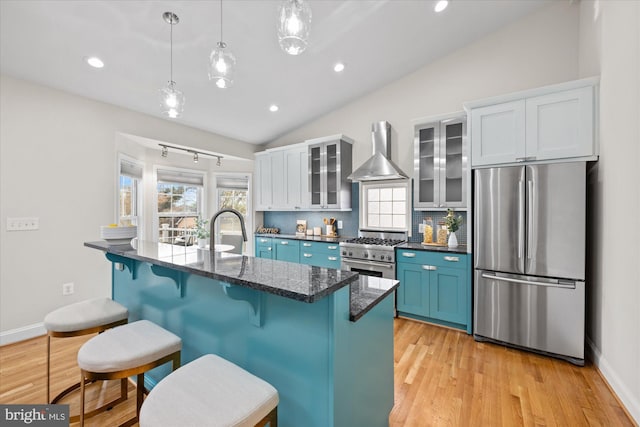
(557, 284)
(520, 219)
(530, 220)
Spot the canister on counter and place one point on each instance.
(442, 233)
(428, 230)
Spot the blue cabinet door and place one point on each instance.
(448, 295)
(413, 292)
(287, 250)
(264, 247)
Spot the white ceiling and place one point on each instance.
(379, 41)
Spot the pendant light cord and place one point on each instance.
(221, 39)
(171, 54)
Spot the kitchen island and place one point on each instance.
(322, 337)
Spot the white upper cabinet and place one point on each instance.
(440, 162)
(554, 122)
(281, 179)
(296, 171)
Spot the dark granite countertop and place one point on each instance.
(291, 280)
(461, 249)
(307, 238)
(296, 281)
(367, 292)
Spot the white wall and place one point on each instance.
(517, 57)
(610, 41)
(57, 162)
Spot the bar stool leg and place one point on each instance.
(82, 398)
(48, 368)
(139, 394)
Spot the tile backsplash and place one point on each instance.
(437, 216)
(286, 221)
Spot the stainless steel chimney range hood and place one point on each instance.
(379, 166)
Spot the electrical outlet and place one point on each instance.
(67, 288)
(23, 224)
(420, 228)
(339, 225)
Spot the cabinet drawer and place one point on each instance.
(320, 259)
(438, 259)
(320, 247)
(263, 241)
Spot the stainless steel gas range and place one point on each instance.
(372, 254)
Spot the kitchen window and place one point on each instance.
(385, 205)
(180, 201)
(129, 190)
(232, 193)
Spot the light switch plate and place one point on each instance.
(339, 225)
(23, 224)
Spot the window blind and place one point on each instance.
(180, 177)
(232, 182)
(131, 169)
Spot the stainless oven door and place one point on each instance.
(370, 268)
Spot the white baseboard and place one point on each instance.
(630, 401)
(21, 334)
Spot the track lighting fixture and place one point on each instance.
(196, 154)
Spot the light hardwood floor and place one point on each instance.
(442, 378)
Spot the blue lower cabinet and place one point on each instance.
(264, 247)
(435, 287)
(287, 250)
(413, 292)
(320, 254)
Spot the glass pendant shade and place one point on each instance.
(294, 24)
(222, 65)
(171, 101)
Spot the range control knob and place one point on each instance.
(344, 253)
(366, 255)
(373, 255)
(350, 253)
(388, 257)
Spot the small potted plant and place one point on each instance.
(202, 232)
(453, 223)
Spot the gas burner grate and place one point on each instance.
(375, 241)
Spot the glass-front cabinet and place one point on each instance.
(329, 166)
(441, 162)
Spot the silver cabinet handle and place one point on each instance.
(332, 247)
(268, 249)
(307, 245)
(307, 255)
(263, 240)
(452, 258)
(429, 267)
(332, 258)
(284, 243)
(408, 255)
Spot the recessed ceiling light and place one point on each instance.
(441, 5)
(338, 67)
(273, 108)
(95, 62)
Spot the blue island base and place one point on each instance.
(328, 370)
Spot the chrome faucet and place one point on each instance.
(212, 237)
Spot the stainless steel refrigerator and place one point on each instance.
(529, 288)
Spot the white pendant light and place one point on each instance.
(222, 63)
(171, 99)
(294, 24)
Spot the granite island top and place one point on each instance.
(461, 249)
(291, 280)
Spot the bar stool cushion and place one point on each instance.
(84, 315)
(209, 391)
(127, 346)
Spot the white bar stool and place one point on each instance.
(210, 391)
(82, 318)
(127, 350)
